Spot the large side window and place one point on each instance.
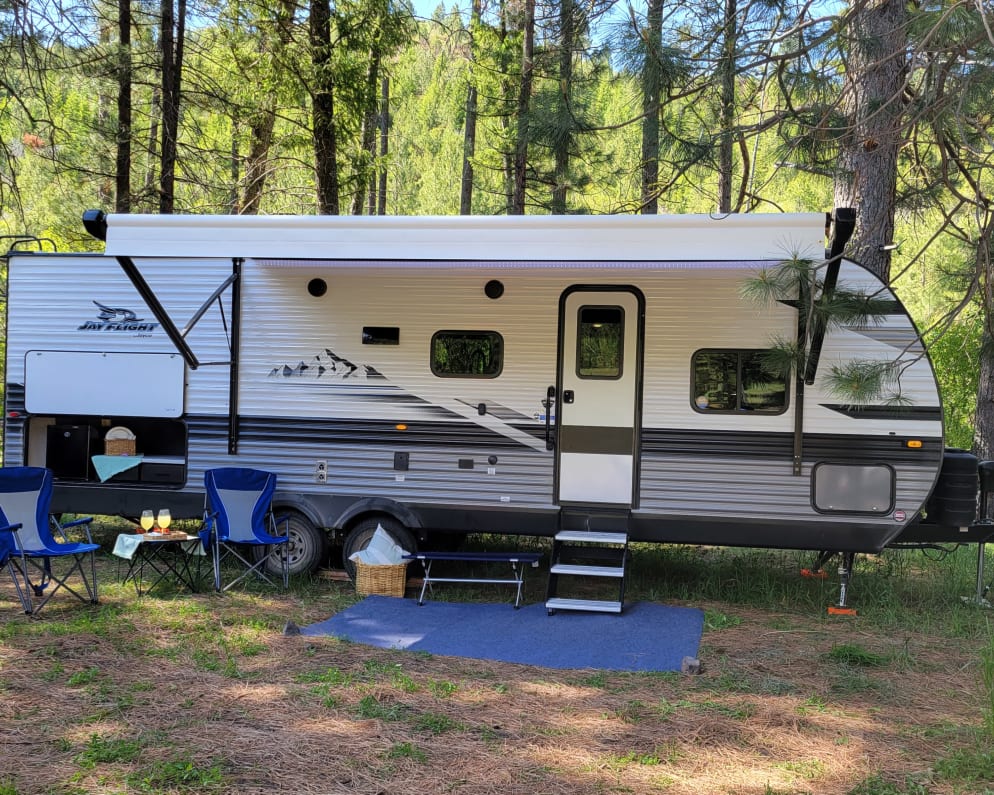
(736, 381)
(467, 354)
(600, 341)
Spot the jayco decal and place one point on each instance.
(117, 319)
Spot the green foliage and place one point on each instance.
(407, 751)
(856, 381)
(877, 785)
(179, 775)
(967, 765)
(853, 654)
(102, 750)
(370, 707)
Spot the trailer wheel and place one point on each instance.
(307, 548)
(362, 533)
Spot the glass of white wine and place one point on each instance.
(164, 519)
(147, 520)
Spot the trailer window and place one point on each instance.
(467, 354)
(600, 341)
(736, 381)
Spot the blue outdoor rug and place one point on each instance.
(645, 637)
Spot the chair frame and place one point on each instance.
(8, 552)
(37, 548)
(216, 534)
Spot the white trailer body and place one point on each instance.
(401, 369)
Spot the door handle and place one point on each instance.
(568, 396)
(547, 404)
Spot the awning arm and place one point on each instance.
(150, 299)
(843, 225)
(214, 296)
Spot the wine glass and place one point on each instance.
(164, 519)
(147, 521)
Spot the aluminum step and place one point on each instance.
(591, 605)
(592, 536)
(587, 571)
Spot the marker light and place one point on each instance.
(915, 443)
(400, 427)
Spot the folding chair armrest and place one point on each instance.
(86, 520)
(11, 528)
(77, 522)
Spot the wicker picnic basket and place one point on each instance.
(119, 446)
(119, 441)
(383, 579)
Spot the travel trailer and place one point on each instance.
(440, 376)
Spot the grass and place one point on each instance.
(987, 672)
(170, 692)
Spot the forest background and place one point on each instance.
(528, 106)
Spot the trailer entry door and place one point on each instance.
(600, 377)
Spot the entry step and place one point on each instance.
(587, 571)
(592, 536)
(589, 605)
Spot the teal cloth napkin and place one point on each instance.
(109, 465)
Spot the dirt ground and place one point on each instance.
(215, 698)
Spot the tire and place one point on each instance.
(362, 533)
(307, 550)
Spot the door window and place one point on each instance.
(600, 342)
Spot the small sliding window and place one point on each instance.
(467, 354)
(736, 381)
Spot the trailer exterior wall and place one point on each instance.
(704, 478)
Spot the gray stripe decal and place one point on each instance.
(596, 439)
(933, 413)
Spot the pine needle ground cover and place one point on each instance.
(181, 693)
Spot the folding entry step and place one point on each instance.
(591, 556)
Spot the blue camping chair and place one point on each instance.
(8, 551)
(239, 524)
(25, 499)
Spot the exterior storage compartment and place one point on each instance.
(954, 501)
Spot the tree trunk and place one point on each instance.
(235, 168)
(983, 428)
(366, 176)
(323, 109)
(381, 193)
(523, 106)
(726, 120)
(469, 131)
(564, 122)
(154, 114)
(172, 35)
(651, 87)
(873, 103)
(264, 120)
(508, 102)
(122, 188)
